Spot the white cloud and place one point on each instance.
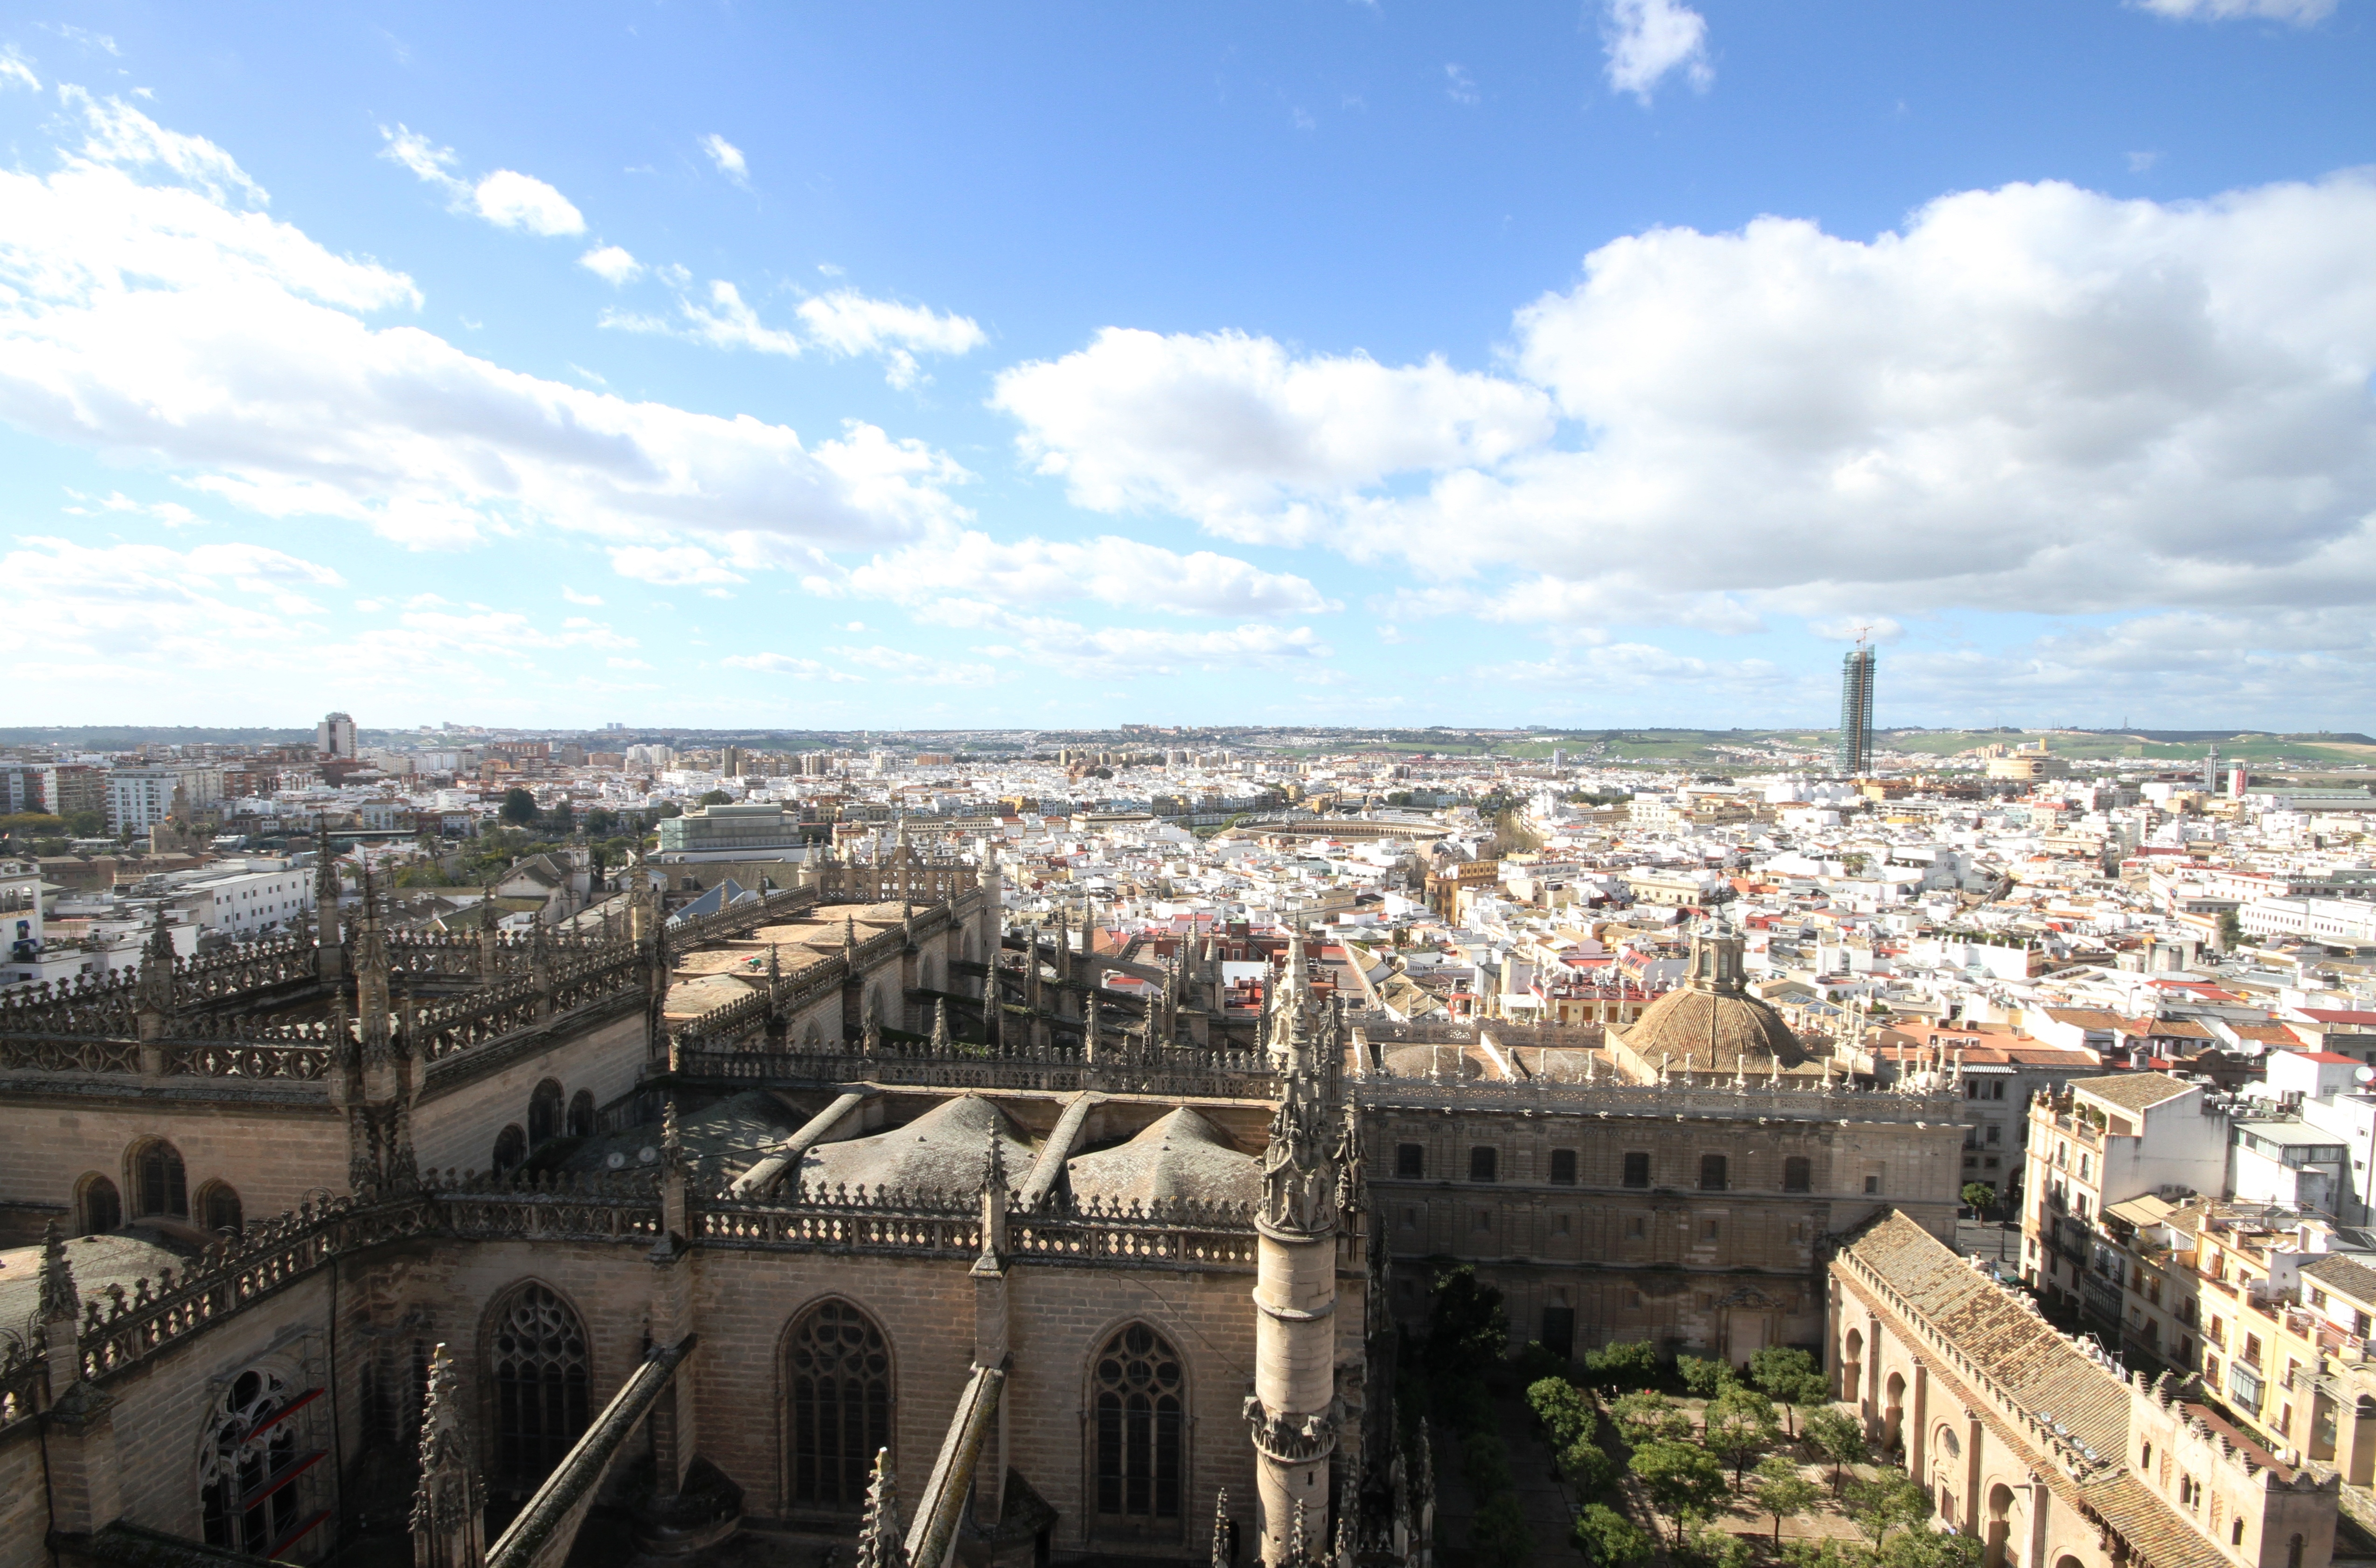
(786, 664)
(173, 513)
(1119, 572)
(574, 596)
(1458, 85)
(1878, 629)
(1134, 650)
(512, 200)
(728, 157)
(2302, 13)
(84, 36)
(506, 198)
(1646, 39)
(152, 318)
(850, 323)
(613, 264)
(672, 566)
(1247, 439)
(1634, 664)
(15, 70)
(910, 668)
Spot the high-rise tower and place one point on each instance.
(1855, 757)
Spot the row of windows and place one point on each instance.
(160, 1189)
(546, 1119)
(1715, 1176)
(838, 1390)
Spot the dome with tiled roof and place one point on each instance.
(1710, 1023)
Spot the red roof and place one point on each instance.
(2327, 1056)
(2340, 1016)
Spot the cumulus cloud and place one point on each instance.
(2036, 398)
(672, 566)
(1246, 438)
(611, 263)
(506, 198)
(510, 199)
(1634, 664)
(2301, 13)
(727, 158)
(145, 309)
(1879, 629)
(787, 664)
(1645, 40)
(16, 70)
(1120, 572)
(848, 322)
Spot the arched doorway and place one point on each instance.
(581, 1115)
(1852, 1366)
(838, 1388)
(219, 1209)
(1946, 1449)
(511, 1147)
(1892, 1412)
(98, 1208)
(1997, 1538)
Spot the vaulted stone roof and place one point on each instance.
(1717, 1031)
(1183, 1155)
(944, 1151)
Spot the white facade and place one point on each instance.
(335, 736)
(139, 798)
(248, 903)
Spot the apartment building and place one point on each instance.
(2101, 1143)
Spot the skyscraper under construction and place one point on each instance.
(1855, 757)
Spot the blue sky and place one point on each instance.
(1309, 362)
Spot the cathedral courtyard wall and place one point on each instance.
(456, 1126)
(273, 1151)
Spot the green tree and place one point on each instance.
(1679, 1480)
(519, 807)
(1629, 1364)
(1782, 1490)
(1789, 1377)
(562, 818)
(85, 824)
(1707, 1544)
(1838, 1437)
(1610, 1540)
(1929, 1549)
(1498, 1535)
(714, 798)
(1825, 1551)
(1705, 1377)
(1738, 1427)
(1588, 1467)
(1891, 1501)
(1466, 1327)
(1645, 1415)
(2231, 932)
(1485, 1461)
(1566, 1413)
(1979, 1194)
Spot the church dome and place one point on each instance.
(1711, 1021)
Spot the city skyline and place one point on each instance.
(1339, 365)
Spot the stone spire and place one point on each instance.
(60, 1300)
(153, 986)
(330, 949)
(1225, 1532)
(1089, 1041)
(941, 1026)
(1295, 1293)
(371, 976)
(993, 1009)
(1089, 938)
(449, 1509)
(1063, 949)
(879, 1545)
(993, 1204)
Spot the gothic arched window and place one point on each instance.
(544, 1113)
(1138, 1402)
(252, 1468)
(511, 1147)
(218, 1207)
(98, 1208)
(581, 1115)
(537, 1358)
(159, 1186)
(837, 1377)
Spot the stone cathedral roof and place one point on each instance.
(1183, 1155)
(1711, 1021)
(944, 1151)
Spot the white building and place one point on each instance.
(250, 899)
(335, 737)
(139, 798)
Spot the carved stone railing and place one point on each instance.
(729, 1021)
(1239, 1075)
(80, 1006)
(68, 1053)
(1182, 1234)
(20, 1380)
(243, 968)
(208, 1059)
